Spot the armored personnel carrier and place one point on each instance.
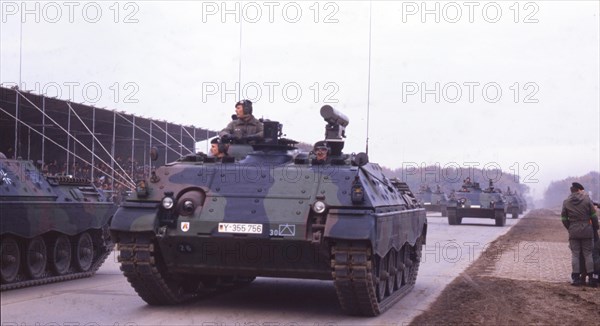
(433, 201)
(203, 223)
(52, 228)
(513, 203)
(472, 201)
(522, 202)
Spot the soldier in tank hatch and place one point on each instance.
(321, 153)
(579, 217)
(218, 149)
(244, 125)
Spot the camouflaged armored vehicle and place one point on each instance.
(522, 202)
(200, 224)
(472, 201)
(513, 203)
(433, 201)
(52, 228)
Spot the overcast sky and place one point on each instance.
(505, 84)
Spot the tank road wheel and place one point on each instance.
(400, 269)
(59, 255)
(11, 259)
(392, 271)
(500, 217)
(414, 260)
(381, 277)
(143, 265)
(35, 257)
(407, 264)
(84, 252)
(365, 283)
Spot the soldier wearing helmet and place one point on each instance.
(321, 153)
(218, 149)
(244, 124)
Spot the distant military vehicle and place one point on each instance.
(200, 223)
(514, 205)
(522, 202)
(472, 201)
(433, 201)
(52, 228)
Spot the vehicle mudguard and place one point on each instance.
(135, 219)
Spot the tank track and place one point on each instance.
(143, 271)
(143, 267)
(355, 282)
(67, 277)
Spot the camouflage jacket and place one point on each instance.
(240, 128)
(579, 216)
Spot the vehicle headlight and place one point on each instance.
(357, 194)
(319, 207)
(167, 203)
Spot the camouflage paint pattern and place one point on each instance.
(278, 192)
(472, 201)
(52, 215)
(432, 201)
(32, 204)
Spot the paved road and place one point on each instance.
(107, 298)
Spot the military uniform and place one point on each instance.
(579, 217)
(596, 257)
(247, 126)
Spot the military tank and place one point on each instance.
(513, 203)
(472, 201)
(433, 201)
(522, 202)
(53, 228)
(202, 224)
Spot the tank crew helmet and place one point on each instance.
(221, 145)
(246, 106)
(321, 145)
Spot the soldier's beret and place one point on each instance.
(577, 185)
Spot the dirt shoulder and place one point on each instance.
(521, 279)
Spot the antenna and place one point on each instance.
(369, 78)
(240, 63)
(20, 51)
(16, 145)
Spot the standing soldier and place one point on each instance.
(596, 256)
(579, 217)
(244, 125)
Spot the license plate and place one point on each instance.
(426, 203)
(475, 206)
(245, 228)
